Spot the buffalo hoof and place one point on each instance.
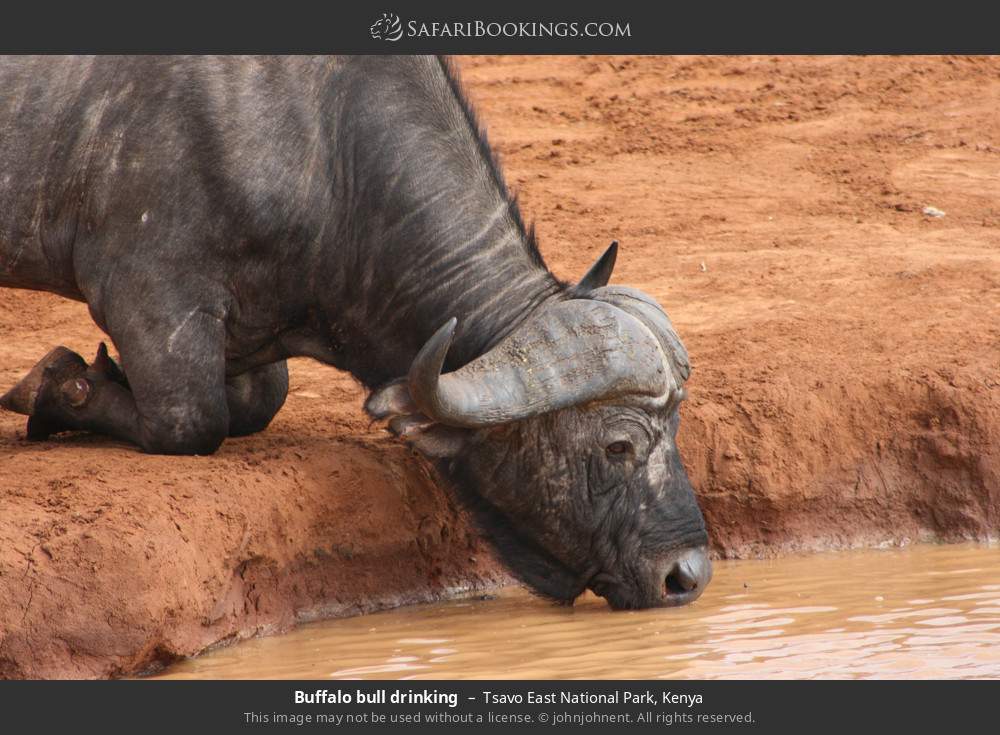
(60, 382)
(59, 365)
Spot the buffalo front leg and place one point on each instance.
(63, 377)
(173, 401)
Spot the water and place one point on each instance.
(920, 612)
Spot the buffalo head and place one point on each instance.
(562, 441)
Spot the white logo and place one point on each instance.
(387, 28)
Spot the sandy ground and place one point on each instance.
(846, 353)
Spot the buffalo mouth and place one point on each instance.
(676, 579)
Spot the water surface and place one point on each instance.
(919, 612)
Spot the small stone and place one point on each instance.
(933, 212)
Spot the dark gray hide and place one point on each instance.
(219, 215)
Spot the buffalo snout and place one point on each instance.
(683, 576)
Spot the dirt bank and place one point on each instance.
(846, 352)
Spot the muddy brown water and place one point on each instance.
(919, 612)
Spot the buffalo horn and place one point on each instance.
(573, 352)
(599, 273)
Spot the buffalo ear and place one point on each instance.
(392, 399)
(433, 440)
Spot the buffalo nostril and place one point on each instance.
(690, 572)
(679, 581)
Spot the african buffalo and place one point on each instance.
(220, 215)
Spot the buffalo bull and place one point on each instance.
(220, 215)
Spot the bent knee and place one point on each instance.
(250, 422)
(255, 399)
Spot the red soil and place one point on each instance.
(846, 353)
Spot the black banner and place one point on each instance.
(581, 706)
(437, 26)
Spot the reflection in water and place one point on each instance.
(921, 612)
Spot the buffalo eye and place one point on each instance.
(617, 450)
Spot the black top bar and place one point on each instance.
(506, 27)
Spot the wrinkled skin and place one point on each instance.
(588, 497)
